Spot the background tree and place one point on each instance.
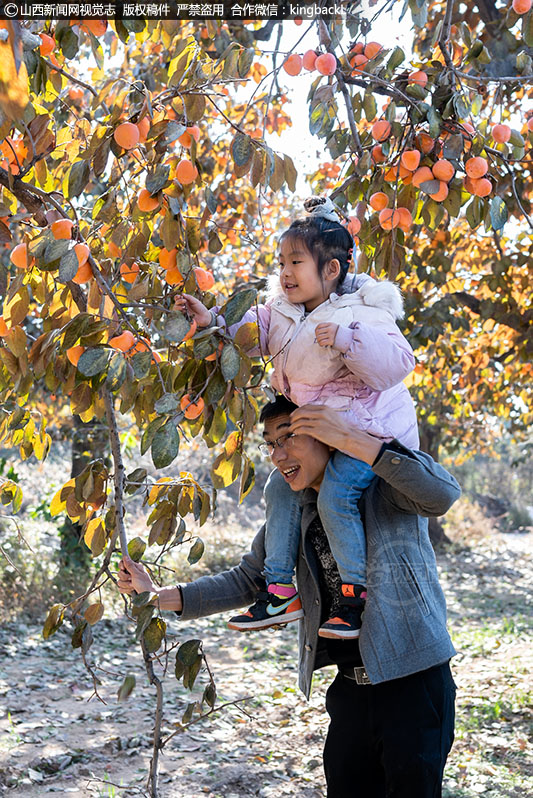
(151, 173)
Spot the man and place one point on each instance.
(391, 704)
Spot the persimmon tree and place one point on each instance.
(135, 165)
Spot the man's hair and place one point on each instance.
(279, 407)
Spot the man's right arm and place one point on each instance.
(228, 590)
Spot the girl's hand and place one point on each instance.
(134, 578)
(330, 426)
(325, 334)
(195, 309)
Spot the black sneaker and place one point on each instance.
(346, 625)
(268, 610)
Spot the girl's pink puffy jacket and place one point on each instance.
(362, 373)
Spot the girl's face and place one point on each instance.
(300, 281)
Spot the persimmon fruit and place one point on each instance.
(326, 64)
(204, 279)
(186, 172)
(411, 159)
(358, 62)
(482, 186)
(378, 156)
(143, 127)
(443, 170)
(441, 193)
(501, 133)
(84, 273)
(418, 78)
(353, 226)
(192, 409)
(173, 276)
(378, 201)
(381, 130)
(389, 218)
(476, 167)
(127, 135)
(192, 132)
(122, 342)
(145, 201)
(4, 329)
(422, 175)
(62, 228)
(521, 6)
(293, 64)
(19, 256)
(167, 258)
(406, 219)
(309, 60)
(372, 49)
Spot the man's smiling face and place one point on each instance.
(302, 460)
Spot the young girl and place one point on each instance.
(333, 341)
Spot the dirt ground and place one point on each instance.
(56, 738)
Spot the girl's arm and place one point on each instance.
(204, 317)
(379, 356)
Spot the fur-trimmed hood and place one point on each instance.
(382, 294)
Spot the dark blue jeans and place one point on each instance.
(390, 740)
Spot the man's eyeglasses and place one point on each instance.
(284, 441)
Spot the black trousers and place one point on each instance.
(389, 740)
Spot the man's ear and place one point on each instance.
(332, 270)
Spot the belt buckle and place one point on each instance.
(361, 676)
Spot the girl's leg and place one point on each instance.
(283, 522)
(280, 603)
(344, 481)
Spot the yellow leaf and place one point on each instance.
(14, 95)
(59, 502)
(94, 612)
(95, 536)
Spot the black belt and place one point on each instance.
(359, 675)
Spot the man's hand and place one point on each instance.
(325, 334)
(189, 304)
(134, 578)
(331, 427)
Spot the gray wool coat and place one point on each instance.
(404, 623)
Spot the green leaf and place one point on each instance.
(527, 29)
(247, 479)
(237, 306)
(517, 140)
(165, 445)
(68, 41)
(225, 470)
(136, 549)
(166, 403)
(55, 250)
(176, 327)
(116, 373)
(396, 58)
(188, 652)
(290, 173)
(210, 695)
(370, 106)
(141, 362)
(172, 132)
(126, 688)
(143, 619)
(498, 213)
(242, 149)
(154, 634)
(158, 178)
(245, 61)
(93, 361)
(318, 118)
(230, 362)
(68, 266)
(78, 178)
(149, 432)
(142, 599)
(434, 120)
(197, 549)
(453, 147)
(210, 200)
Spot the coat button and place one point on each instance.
(317, 601)
(396, 460)
(308, 647)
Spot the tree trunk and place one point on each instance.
(430, 443)
(90, 441)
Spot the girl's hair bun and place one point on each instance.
(322, 206)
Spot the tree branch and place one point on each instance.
(118, 471)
